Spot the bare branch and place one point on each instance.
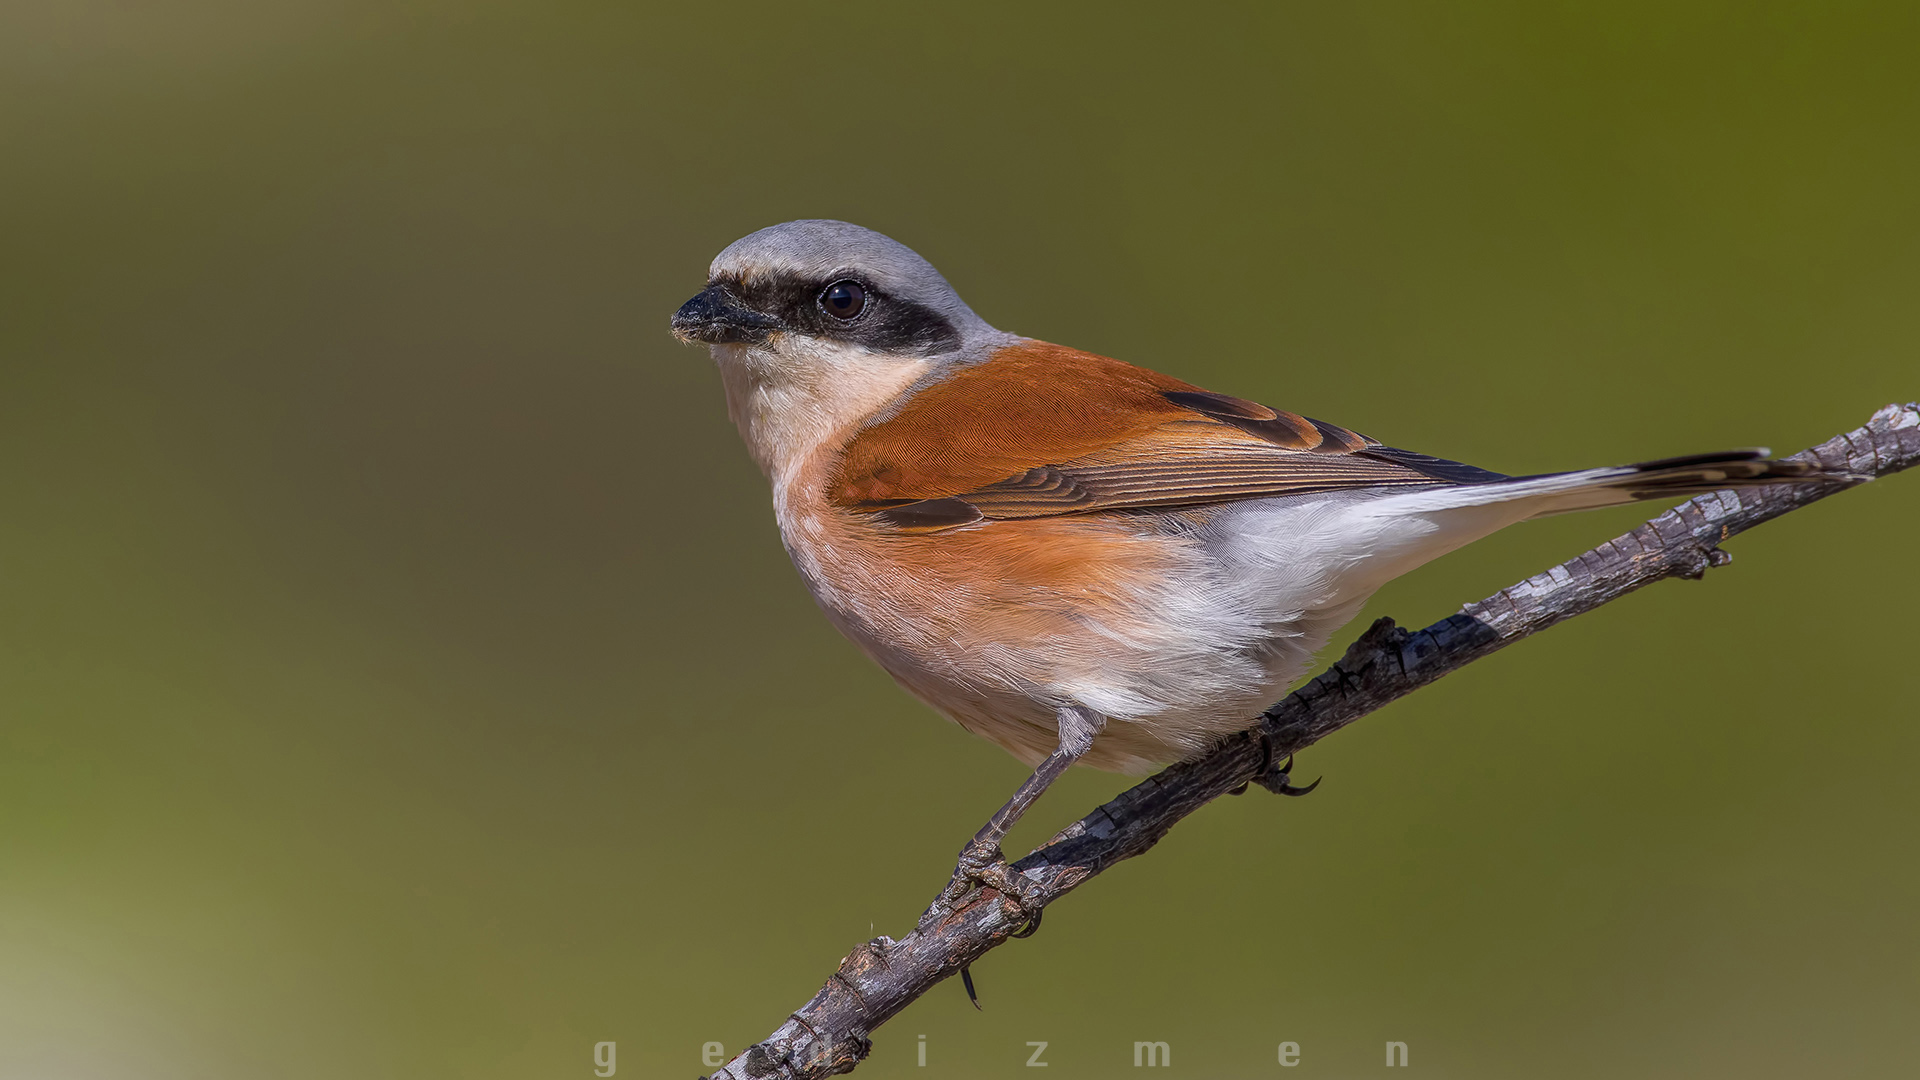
(830, 1034)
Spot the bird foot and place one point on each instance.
(982, 865)
(1280, 783)
(1273, 777)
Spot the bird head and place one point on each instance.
(819, 325)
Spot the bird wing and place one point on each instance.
(1039, 430)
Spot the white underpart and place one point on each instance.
(1276, 578)
(1313, 562)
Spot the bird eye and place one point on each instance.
(844, 300)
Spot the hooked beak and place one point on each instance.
(716, 317)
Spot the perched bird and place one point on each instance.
(1078, 559)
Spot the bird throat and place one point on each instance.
(793, 396)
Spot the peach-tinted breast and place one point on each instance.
(994, 626)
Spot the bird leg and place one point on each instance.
(981, 861)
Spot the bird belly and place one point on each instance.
(999, 624)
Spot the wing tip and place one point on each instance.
(1439, 468)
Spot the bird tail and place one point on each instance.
(1616, 485)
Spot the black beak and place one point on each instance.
(718, 318)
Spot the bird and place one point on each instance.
(1078, 559)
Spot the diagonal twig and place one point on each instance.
(830, 1033)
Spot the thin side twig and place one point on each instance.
(830, 1034)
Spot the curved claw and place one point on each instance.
(1032, 927)
(966, 979)
(1275, 778)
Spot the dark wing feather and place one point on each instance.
(1452, 472)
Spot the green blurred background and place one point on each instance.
(402, 676)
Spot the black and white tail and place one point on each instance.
(1591, 489)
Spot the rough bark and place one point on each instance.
(830, 1034)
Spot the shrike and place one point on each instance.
(1078, 559)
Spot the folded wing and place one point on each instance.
(1039, 430)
